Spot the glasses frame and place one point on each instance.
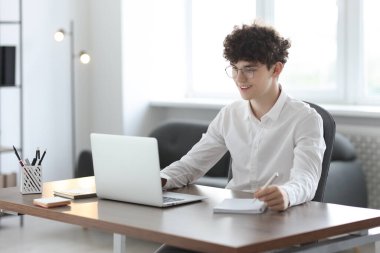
(248, 72)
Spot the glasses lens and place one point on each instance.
(230, 72)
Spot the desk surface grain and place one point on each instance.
(195, 226)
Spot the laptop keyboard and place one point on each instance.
(170, 199)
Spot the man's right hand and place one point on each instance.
(163, 181)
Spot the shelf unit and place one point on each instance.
(14, 27)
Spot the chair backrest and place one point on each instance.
(175, 139)
(328, 136)
(84, 167)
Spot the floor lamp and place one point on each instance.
(84, 58)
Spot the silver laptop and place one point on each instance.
(127, 169)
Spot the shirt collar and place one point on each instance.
(276, 109)
(248, 115)
(273, 113)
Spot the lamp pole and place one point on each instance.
(72, 100)
(84, 58)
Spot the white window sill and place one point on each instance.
(357, 111)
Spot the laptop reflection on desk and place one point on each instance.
(127, 169)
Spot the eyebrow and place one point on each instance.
(249, 65)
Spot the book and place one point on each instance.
(7, 65)
(240, 206)
(2, 180)
(10, 179)
(76, 193)
(51, 202)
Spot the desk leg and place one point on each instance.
(370, 247)
(377, 247)
(119, 243)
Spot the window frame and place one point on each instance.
(351, 86)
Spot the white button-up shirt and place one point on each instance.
(288, 140)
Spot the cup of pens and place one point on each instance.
(31, 173)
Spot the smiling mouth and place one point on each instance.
(245, 87)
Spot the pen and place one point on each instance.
(42, 157)
(270, 180)
(18, 156)
(38, 153)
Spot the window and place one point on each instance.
(311, 67)
(371, 42)
(334, 58)
(211, 21)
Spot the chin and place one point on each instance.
(245, 97)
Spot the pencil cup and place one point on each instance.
(31, 179)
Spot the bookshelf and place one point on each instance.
(11, 84)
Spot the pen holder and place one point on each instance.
(31, 179)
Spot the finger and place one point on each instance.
(274, 202)
(273, 199)
(264, 191)
(279, 202)
(272, 196)
(278, 207)
(163, 181)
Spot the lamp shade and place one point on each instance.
(59, 35)
(84, 57)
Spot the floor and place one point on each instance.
(44, 236)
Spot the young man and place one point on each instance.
(265, 133)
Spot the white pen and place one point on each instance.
(270, 180)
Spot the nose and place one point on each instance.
(240, 76)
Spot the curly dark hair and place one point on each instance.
(256, 43)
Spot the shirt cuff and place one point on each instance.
(291, 195)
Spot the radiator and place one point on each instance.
(367, 144)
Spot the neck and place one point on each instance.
(262, 105)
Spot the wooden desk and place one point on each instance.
(195, 226)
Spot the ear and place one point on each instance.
(278, 66)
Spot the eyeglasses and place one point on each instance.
(232, 71)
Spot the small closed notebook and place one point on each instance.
(76, 193)
(51, 202)
(240, 206)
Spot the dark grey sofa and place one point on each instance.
(346, 182)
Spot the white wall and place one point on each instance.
(137, 39)
(46, 86)
(47, 120)
(98, 86)
(105, 84)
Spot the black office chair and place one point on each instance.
(84, 168)
(328, 136)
